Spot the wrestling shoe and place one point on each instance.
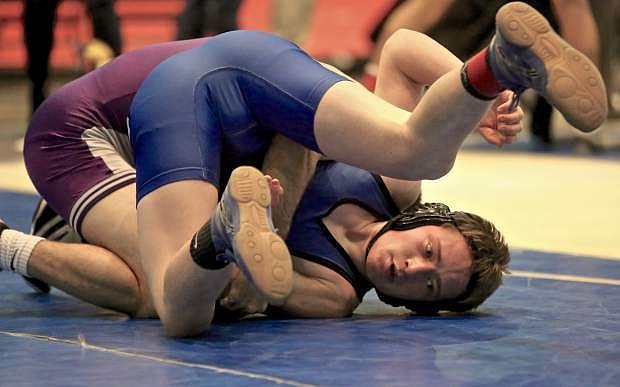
(242, 227)
(49, 225)
(527, 53)
(3, 226)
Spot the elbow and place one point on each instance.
(345, 306)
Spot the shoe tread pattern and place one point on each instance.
(575, 86)
(260, 252)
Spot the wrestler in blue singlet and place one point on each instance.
(206, 111)
(333, 184)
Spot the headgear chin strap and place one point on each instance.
(426, 214)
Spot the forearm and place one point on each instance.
(318, 298)
(294, 166)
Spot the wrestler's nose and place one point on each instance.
(418, 265)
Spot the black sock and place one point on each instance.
(203, 251)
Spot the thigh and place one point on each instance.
(112, 223)
(207, 110)
(356, 127)
(73, 165)
(167, 218)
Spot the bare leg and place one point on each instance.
(105, 272)
(90, 273)
(112, 224)
(183, 294)
(412, 62)
(357, 127)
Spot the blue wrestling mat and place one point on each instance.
(556, 322)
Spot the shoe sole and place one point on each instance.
(575, 86)
(261, 254)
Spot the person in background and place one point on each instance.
(39, 20)
(466, 26)
(207, 17)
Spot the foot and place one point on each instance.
(527, 53)
(242, 224)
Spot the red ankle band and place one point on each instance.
(478, 78)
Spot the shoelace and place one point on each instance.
(224, 219)
(516, 97)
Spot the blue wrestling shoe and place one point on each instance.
(527, 53)
(241, 227)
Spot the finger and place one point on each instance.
(511, 117)
(510, 130)
(505, 104)
(509, 139)
(491, 136)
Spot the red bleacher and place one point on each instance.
(338, 28)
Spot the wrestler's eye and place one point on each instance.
(428, 250)
(429, 284)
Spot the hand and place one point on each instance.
(277, 191)
(240, 296)
(500, 125)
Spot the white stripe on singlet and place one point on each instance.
(114, 149)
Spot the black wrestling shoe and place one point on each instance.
(527, 53)
(3, 227)
(49, 225)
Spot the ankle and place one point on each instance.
(478, 78)
(16, 249)
(203, 251)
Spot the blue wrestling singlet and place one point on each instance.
(333, 184)
(205, 111)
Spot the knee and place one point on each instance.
(422, 163)
(439, 169)
(143, 307)
(404, 40)
(185, 326)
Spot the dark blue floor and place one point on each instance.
(532, 332)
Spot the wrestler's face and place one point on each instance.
(428, 263)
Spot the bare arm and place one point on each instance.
(319, 292)
(294, 166)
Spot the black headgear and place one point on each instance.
(426, 214)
